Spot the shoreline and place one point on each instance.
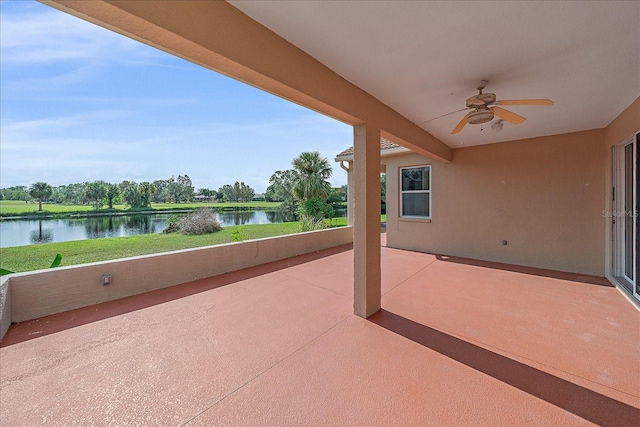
(90, 214)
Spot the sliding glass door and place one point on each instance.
(625, 214)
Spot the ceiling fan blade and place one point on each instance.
(508, 115)
(525, 102)
(444, 115)
(460, 125)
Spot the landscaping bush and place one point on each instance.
(173, 225)
(201, 221)
(308, 223)
(316, 209)
(237, 234)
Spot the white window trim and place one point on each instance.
(402, 192)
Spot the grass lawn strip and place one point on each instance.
(36, 257)
(17, 207)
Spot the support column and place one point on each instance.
(366, 221)
(349, 170)
(350, 187)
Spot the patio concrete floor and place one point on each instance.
(458, 342)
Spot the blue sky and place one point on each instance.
(81, 103)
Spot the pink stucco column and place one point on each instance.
(366, 220)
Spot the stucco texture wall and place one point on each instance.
(544, 196)
(44, 292)
(625, 125)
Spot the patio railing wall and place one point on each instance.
(40, 293)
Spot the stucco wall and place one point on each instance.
(624, 125)
(5, 305)
(45, 292)
(545, 196)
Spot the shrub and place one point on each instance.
(201, 221)
(173, 225)
(308, 223)
(237, 234)
(316, 209)
(288, 210)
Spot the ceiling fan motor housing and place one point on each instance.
(482, 99)
(480, 115)
(484, 105)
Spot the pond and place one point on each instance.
(30, 232)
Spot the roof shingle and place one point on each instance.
(385, 144)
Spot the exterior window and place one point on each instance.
(415, 192)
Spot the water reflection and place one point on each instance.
(118, 226)
(142, 224)
(254, 217)
(99, 227)
(26, 232)
(280, 216)
(41, 235)
(236, 218)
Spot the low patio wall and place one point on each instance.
(5, 306)
(35, 294)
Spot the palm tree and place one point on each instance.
(40, 191)
(95, 193)
(113, 191)
(313, 172)
(147, 190)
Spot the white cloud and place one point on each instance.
(157, 101)
(108, 145)
(39, 37)
(12, 131)
(219, 134)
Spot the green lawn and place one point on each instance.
(20, 207)
(253, 205)
(17, 207)
(338, 222)
(36, 257)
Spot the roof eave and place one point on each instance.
(383, 153)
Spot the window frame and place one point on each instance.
(403, 192)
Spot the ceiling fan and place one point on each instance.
(484, 108)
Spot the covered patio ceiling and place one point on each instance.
(424, 58)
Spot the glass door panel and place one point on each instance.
(628, 213)
(624, 223)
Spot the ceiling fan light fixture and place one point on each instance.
(479, 116)
(484, 107)
(482, 99)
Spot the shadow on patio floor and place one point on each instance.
(573, 277)
(36, 328)
(585, 403)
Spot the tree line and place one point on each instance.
(303, 191)
(101, 194)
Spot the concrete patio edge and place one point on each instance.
(31, 295)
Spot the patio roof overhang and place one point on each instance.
(218, 36)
